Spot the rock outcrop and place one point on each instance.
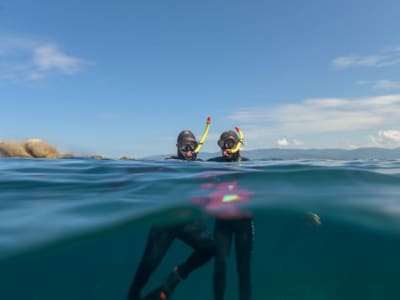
(35, 148)
(127, 158)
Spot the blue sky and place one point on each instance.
(124, 77)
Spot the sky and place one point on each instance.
(123, 78)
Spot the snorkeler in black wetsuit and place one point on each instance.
(239, 227)
(193, 233)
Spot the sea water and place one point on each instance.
(76, 228)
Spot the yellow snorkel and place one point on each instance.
(203, 137)
(240, 142)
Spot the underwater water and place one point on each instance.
(76, 228)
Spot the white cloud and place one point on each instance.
(324, 115)
(11, 44)
(297, 142)
(393, 135)
(352, 146)
(317, 120)
(282, 142)
(383, 59)
(387, 84)
(23, 58)
(348, 61)
(386, 138)
(381, 84)
(47, 57)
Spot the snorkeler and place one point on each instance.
(238, 226)
(230, 143)
(193, 233)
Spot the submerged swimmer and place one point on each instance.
(193, 233)
(239, 227)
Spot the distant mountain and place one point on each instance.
(291, 154)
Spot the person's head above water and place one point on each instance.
(186, 144)
(228, 142)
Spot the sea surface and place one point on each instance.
(76, 228)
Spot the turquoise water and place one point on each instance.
(76, 228)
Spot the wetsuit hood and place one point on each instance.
(185, 136)
(230, 134)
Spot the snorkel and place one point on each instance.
(237, 146)
(203, 137)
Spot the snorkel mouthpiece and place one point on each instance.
(203, 137)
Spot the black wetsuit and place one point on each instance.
(193, 233)
(242, 229)
(235, 158)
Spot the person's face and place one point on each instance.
(187, 148)
(226, 146)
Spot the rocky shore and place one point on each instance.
(37, 148)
